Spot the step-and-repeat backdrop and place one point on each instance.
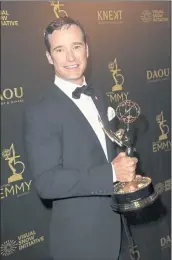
(129, 59)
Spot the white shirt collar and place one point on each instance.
(87, 107)
(66, 86)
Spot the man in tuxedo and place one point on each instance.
(72, 161)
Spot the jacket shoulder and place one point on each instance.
(46, 101)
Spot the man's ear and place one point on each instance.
(87, 50)
(49, 58)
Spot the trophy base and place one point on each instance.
(117, 87)
(142, 195)
(15, 177)
(163, 137)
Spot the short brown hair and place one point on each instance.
(58, 24)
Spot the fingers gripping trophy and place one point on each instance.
(139, 193)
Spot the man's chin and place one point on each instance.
(75, 79)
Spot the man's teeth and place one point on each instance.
(71, 66)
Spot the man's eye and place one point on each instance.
(77, 47)
(59, 50)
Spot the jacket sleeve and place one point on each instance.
(44, 149)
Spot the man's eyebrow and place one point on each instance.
(78, 43)
(61, 46)
(57, 47)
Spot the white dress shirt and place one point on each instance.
(88, 108)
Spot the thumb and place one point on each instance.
(121, 155)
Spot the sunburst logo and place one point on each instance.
(146, 16)
(8, 247)
(155, 15)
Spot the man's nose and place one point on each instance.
(70, 55)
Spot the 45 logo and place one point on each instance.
(57, 9)
(118, 77)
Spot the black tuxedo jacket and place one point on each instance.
(69, 166)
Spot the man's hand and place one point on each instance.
(124, 167)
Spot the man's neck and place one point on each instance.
(80, 82)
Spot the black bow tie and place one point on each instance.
(87, 90)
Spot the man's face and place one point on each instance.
(68, 53)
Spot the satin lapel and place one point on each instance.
(102, 109)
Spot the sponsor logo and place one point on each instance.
(146, 16)
(110, 16)
(10, 96)
(6, 21)
(158, 75)
(165, 242)
(156, 15)
(8, 247)
(22, 242)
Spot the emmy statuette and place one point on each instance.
(139, 193)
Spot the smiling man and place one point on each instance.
(72, 161)
(68, 53)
